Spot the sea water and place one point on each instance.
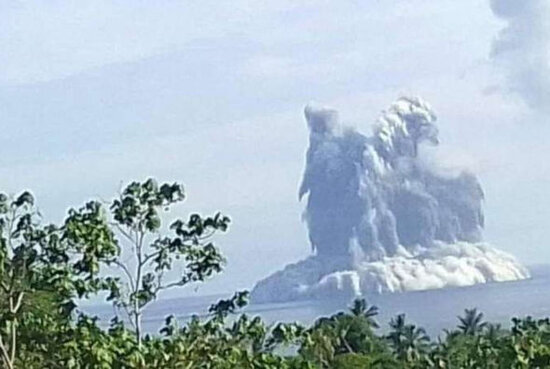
(434, 310)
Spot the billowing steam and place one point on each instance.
(523, 48)
(379, 220)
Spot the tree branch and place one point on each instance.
(150, 256)
(123, 232)
(169, 285)
(126, 271)
(4, 287)
(13, 339)
(5, 355)
(18, 302)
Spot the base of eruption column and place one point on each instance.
(441, 266)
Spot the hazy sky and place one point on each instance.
(210, 93)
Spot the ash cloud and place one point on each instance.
(380, 219)
(522, 48)
(373, 192)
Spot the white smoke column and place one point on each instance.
(522, 48)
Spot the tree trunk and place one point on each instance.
(137, 323)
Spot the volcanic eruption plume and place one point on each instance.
(379, 220)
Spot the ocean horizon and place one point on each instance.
(434, 310)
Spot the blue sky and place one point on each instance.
(210, 93)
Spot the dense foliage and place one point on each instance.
(124, 250)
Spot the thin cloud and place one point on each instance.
(522, 47)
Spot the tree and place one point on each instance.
(361, 308)
(18, 267)
(472, 322)
(409, 343)
(40, 275)
(344, 333)
(359, 361)
(143, 252)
